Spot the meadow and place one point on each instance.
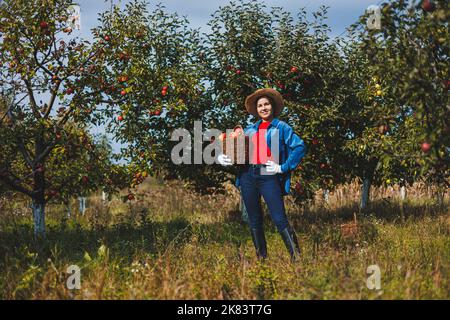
(171, 243)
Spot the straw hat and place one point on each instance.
(278, 104)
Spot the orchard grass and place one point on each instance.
(179, 245)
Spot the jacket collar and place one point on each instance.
(274, 123)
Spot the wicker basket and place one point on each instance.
(238, 157)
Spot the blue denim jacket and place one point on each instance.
(291, 147)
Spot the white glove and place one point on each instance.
(224, 160)
(273, 167)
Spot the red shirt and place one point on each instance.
(261, 152)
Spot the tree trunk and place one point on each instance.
(440, 193)
(69, 211)
(365, 192)
(82, 203)
(367, 182)
(326, 196)
(38, 207)
(402, 200)
(402, 193)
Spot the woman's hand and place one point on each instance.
(224, 160)
(273, 167)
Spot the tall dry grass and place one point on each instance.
(174, 244)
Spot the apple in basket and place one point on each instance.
(222, 136)
(238, 130)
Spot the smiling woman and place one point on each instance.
(268, 174)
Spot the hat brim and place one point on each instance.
(251, 100)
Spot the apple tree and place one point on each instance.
(45, 78)
(406, 63)
(151, 84)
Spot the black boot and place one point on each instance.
(259, 240)
(291, 243)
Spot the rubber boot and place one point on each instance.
(259, 240)
(291, 243)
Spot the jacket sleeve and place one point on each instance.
(296, 149)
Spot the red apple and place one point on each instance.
(238, 71)
(164, 92)
(238, 130)
(123, 92)
(426, 147)
(315, 141)
(43, 25)
(294, 69)
(69, 91)
(120, 118)
(157, 112)
(299, 188)
(107, 38)
(382, 129)
(130, 197)
(165, 88)
(428, 5)
(124, 56)
(53, 193)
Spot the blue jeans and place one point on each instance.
(253, 186)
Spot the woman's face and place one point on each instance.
(264, 109)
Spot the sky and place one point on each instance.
(341, 14)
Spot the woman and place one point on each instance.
(265, 176)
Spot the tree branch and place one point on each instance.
(13, 185)
(34, 106)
